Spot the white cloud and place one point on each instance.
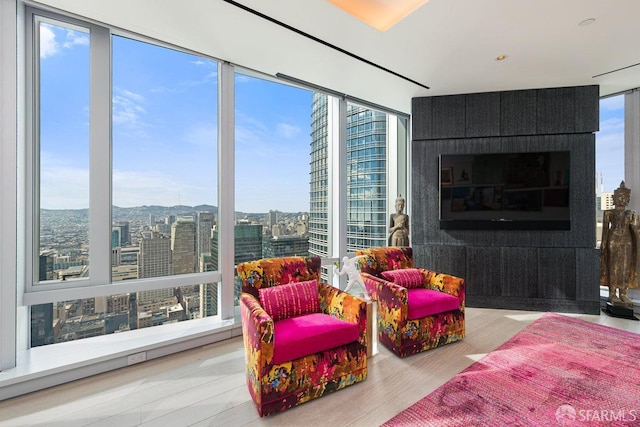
(272, 183)
(128, 111)
(607, 141)
(241, 78)
(272, 173)
(137, 188)
(203, 136)
(62, 185)
(255, 139)
(209, 79)
(613, 125)
(48, 44)
(75, 38)
(251, 137)
(612, 103)
(610, 152)
(287, 130)
(67, 187)
(131, 95)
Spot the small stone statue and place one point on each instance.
(399, 225)
(350, 268)
(619, 248)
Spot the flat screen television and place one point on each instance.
(505, 191)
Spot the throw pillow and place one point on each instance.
(290, 300)
(405, 277)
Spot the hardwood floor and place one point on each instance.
(206, 386)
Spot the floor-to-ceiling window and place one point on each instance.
(118, 171)
(144, 136)
(61, 164)
(272, 129)
(609, 155)
(374, 164)
(165, 187)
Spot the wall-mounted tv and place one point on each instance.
(505, 191)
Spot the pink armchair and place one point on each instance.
(418, 309)
(302, 338)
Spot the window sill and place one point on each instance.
(41, 367)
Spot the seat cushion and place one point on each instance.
(406, 277)
(425, 302)
(290, 300)
(310, 333)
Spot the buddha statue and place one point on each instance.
(619, 248)
(399, 225)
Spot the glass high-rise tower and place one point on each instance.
(319, 178)
(366, 178)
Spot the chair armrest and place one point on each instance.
(257, 331)
(345, 306)
(391, 298)
(372, 284)
(449, 284)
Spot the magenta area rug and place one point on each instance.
(558, 371)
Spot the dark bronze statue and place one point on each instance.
(619, 248)
(399, 225)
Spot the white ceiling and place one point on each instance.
(448, 45)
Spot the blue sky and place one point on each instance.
(165, 130)
(610, 143)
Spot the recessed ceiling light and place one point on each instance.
(501, 57)
(380, 14)
(587, 22)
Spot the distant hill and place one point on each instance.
(123, 214)
(143, 212)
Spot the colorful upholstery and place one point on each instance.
(432, 320)
(408, 277)
(290, 300)
(321, 332)
(296, 359)
(425, 302)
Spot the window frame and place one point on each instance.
(99, 282)
(28, 291)
(11, 103)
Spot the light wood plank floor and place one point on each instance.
(206, 386)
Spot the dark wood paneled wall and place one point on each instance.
(532, 269)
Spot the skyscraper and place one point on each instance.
(272, 219)
(319, 176)
(366, 178)
(247, 244)
(125, 233)
(154, 257)
(183, 246)
(247, 247)
(281, 246)
(205, 225)
(208, 291)
(116, 241)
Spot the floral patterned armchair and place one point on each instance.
(302, 338)
(418, 309)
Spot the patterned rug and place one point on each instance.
(558, 371)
